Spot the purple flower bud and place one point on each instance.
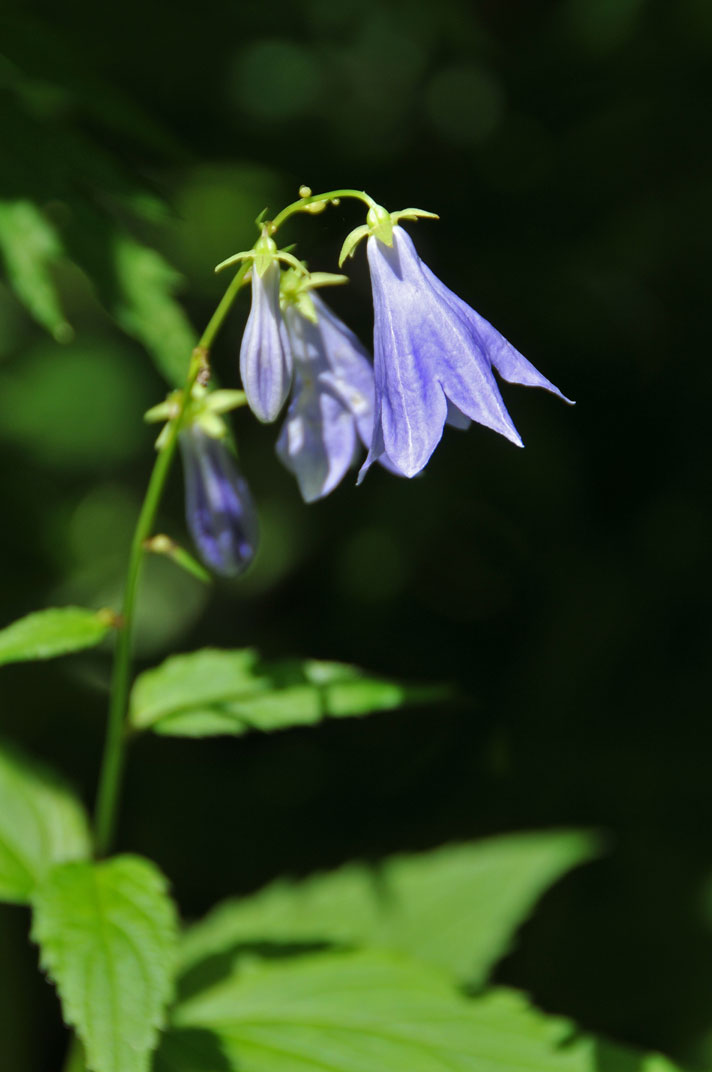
(433, 358)
(219, 508)
(265, 356)
(332, 403)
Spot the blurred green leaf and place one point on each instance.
(600, 28)
(212, 692)
(456, 907)
(216, 205)
(41, 823)
(145, 307)
(55, 631)
(107, 935)
(357, 1012)
(77, 408)
(30, 247)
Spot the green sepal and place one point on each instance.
(380, 224)
(325, 279)
(304, 303)
(211, 424)
(413, 214)
(163, 437)
(352, 240)
(224, 400)
(203, 409)
(166, 410)
(264, 253)
(165, 545)
(244, 255)
(295, 288)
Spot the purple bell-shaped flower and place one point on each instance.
(332, 400)
(220, 511)
(265, 355)
(433, 358)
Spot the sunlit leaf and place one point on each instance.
(457, 907)
(146, 308)
(358, 1012)
(55, 631)
(41, 823)
(213, 692)
(30, 246)
(107, 935)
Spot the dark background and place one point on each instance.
(565, 588)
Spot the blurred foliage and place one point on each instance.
(455, 908)
(41, 824)
(565, 589)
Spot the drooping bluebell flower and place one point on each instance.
(433, 354)
(332, 400)
(219, 508)
(265, 354)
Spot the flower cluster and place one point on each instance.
(331, 407)
(433, 364)
(434, 360)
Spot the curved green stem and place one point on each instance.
(114, 747)
(302, 205)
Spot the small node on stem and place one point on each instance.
(160, 544)
(305, 191)
(201, 365)
(110, 618)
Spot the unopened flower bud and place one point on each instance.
(220, 511)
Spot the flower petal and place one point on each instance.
(424, 357)
(317, 440)
(333, 378)
(350, 371)
(265, 356)
(410, 404)
(509, 363)
(220, 512)
(463, 365)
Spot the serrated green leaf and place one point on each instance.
(230, 692)
(456, 907)
(41, 823)
(30, 246)
(192, 682)
(107, 934)
(359, 1012)
(48, 633)
(147, 309)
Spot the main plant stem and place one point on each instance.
(110, 776)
